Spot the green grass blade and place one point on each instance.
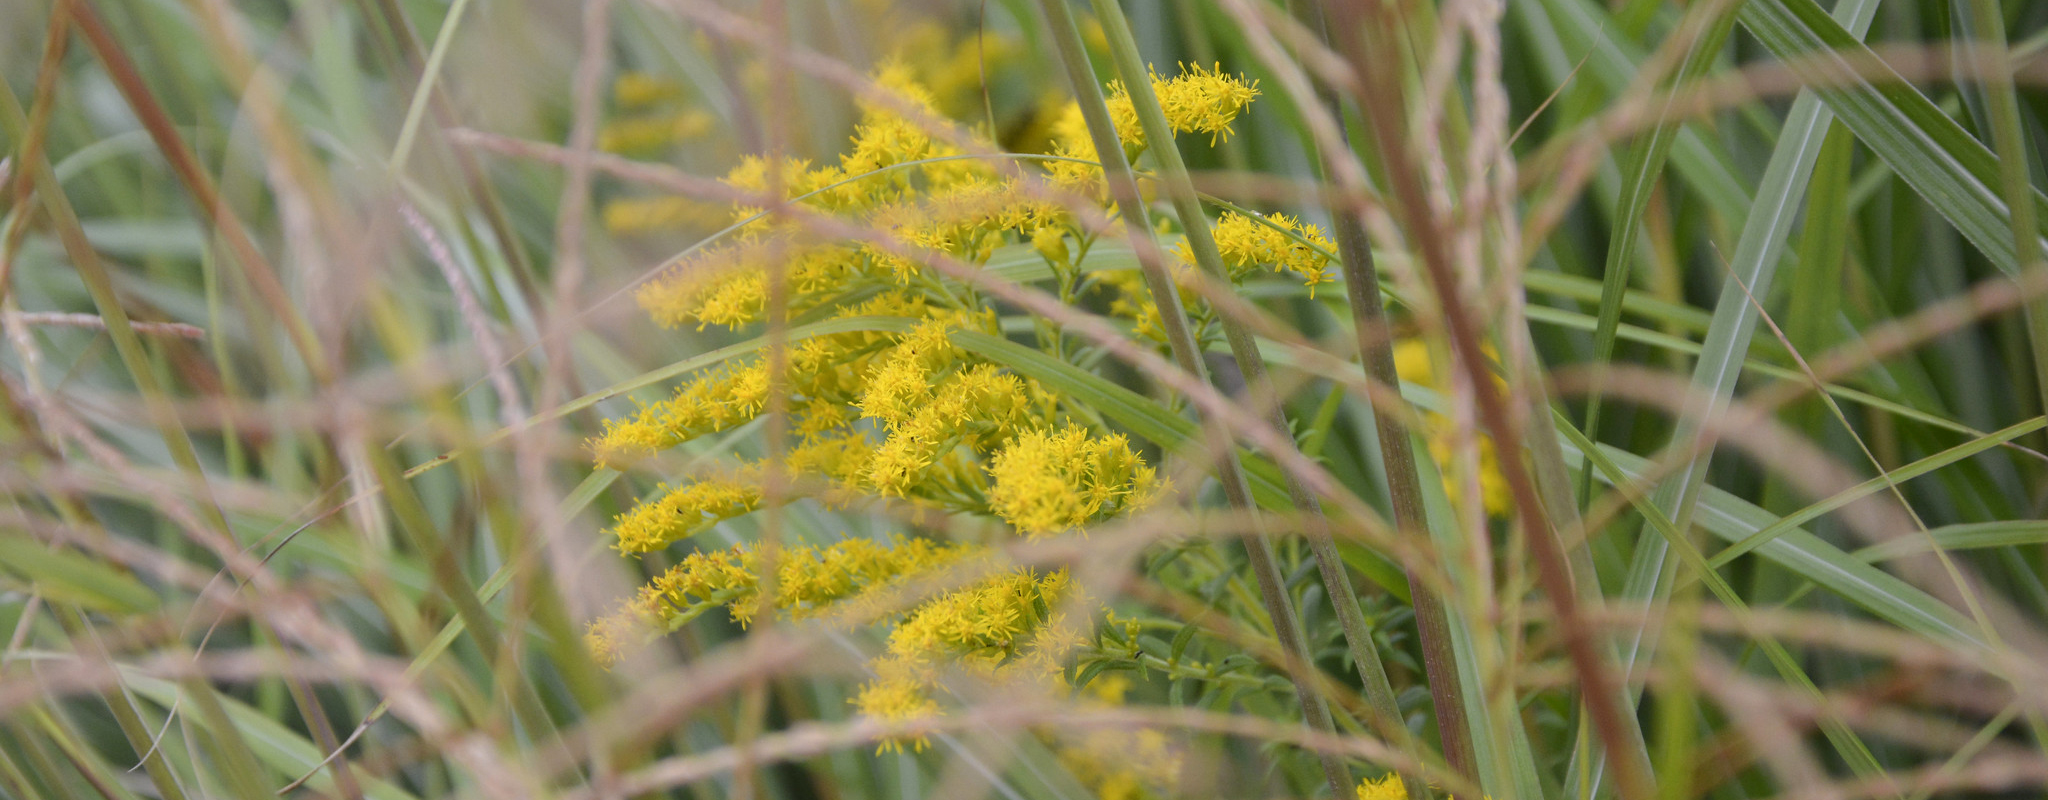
(1733, 519)
(1956, 174)
(1963, 536)
(1640, 173)
(1879, 484)
(1845, 739)
(1753, 267)
(1584, 27)
(272, 743)
(74, 577)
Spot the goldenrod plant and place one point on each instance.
(1036, 400)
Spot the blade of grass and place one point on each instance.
(1383, 101)
(1874, 485)
(1446, 666)
(1846, 741)
(1986, 42)
(430, 74)
(1733, 519)
(272, 743)
(205, 194)
(1963, 536)
(1753, 266)
(578, 499)
(1957, 175)
(232, 762)
(1613, 62)
(1705, 31)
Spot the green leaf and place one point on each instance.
(1733, 519)
(1965, 536)
(74, 577)
(275, 745)
(1956, 174)
(1645, 163)
(1878, 484)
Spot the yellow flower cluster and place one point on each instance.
(828, 465)
(1279, 242)
(809, 582)
(656, 120)
(1386, 787)
(1048, 481)
(826, 368)
(898, 412)
(1199, 100)
(1120, 764)
(1412, 360)
(1005, 627)
(1203, 101)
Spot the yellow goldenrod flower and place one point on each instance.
(1051, 243)
(1205, 101)
(1199, 100)
(639, 135)
(882, 413)
(1414, 363)
(967, 220)
(1049, 481)
(1386, 787)
(975, 407)
(1247, 244)
(1130, 299)
(838, 459)
(685, 511)
(711, 402)
(810, 581)
(896, 699)
(730, 395)
(640, 89)
(884, 137)
(899, 385)
(981, 624)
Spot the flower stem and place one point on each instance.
(1179, 188)
(1187, 353)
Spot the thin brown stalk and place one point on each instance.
(1364, 27)
(164, 132)
(58, 319)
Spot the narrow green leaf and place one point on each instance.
(1878, 484)
(1964, 536)
(74, 577)
(1733, 519)
(274, 744)
(1955, 173)
(1640, 173)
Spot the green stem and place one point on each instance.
(1173, 177)
(1123, 187)
(1404, 484)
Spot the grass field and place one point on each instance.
(1033, 399)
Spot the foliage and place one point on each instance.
(700, 400)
